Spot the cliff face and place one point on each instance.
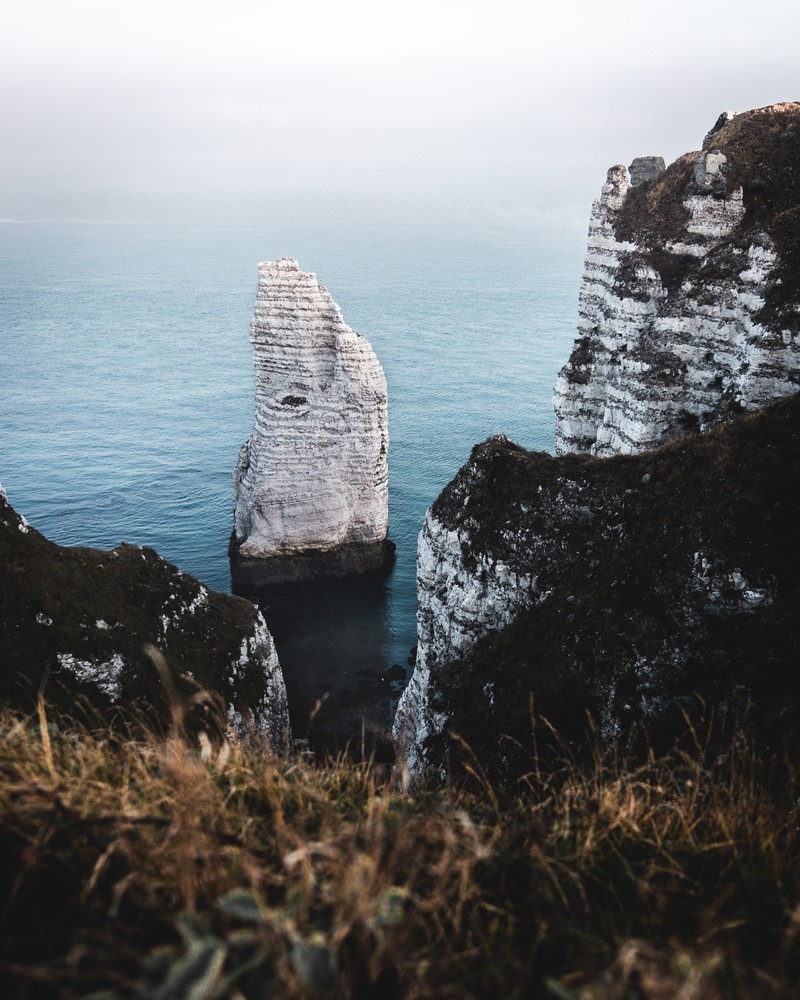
(463, 592)
(311, 483)
(622, 587)
(690, 300)
(82, 618)
(625, 587)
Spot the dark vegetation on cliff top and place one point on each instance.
(52, 598)
(660, 577)
(763, 153)
(155, 869)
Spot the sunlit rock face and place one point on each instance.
(311, 482)
(689, 307)
(126, 629)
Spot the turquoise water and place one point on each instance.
(127, 383)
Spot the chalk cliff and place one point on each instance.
(311, 483)
(82, 618)
(689, 307)
(623, 585)
(618, 586)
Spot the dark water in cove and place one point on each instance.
(127, 389)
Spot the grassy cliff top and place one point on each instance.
(158, 869)
(762, 148)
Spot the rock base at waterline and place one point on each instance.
(311, 482)
(309, 564)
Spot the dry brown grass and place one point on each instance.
(156, 869)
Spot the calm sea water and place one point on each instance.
(127, 385)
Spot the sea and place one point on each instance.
(127, 383)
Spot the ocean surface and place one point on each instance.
(127, 384)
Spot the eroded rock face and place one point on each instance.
(462, 594)
(689, 307)
(626, 587)
(622, 587)
(646, 168)
(84, 619)
(311, 483)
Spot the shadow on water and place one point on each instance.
(333, 638)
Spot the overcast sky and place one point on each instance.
(158, 90)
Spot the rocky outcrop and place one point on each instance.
(622, 587)
(311, 483)
(689, 306)
(627, 587)
(85, 621)
(463, 593)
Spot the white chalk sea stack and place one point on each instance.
(311, 482)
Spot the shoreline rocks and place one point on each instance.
(254, 572)
(311, 482)
(87, 622)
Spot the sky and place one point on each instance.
(355, 96)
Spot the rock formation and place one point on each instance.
(623, 586)
(311, 483)
(83, 619)
(620, 587)
(690, 300)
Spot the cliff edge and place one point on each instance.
(623, 587)
(647, 573)
(689, 308)
(82, 620)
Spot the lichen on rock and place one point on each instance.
(311, 482)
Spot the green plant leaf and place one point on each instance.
(191, 929)
(242, 905)
(390, 908)
(194, 976)
(313, 962)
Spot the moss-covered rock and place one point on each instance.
(638, 585)
(86, 623)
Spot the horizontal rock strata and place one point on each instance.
(619, 587)
(86, 621)
(689, 307)
(622, 587)
(311, 483)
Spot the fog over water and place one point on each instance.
(360, 98)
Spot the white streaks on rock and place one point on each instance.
(670, 335)
(311, 483)
(269, 716)
(456, 604)
(106, 676)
